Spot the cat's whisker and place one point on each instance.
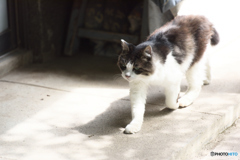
(117, 77)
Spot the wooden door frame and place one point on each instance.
(8, 37)
(16, 34)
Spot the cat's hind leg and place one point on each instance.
(195, 76)
(208, 77)
(207, 61)
(172, 92)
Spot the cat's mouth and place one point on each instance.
(127, 78)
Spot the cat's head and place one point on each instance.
(135, 62)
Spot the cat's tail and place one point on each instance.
(214, 38)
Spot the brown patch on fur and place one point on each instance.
(189, 34)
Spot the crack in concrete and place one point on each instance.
(51, 88)
(34, 85)
(206, 113)
(5, 158)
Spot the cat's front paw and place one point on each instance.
(172, 105)
(132, 128)
(185, 101)
(206, 82)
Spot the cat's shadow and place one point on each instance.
(118, 115)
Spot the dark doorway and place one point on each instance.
(8, 40)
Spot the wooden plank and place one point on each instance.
(107, 36)
(82, 13)
(72, 42)
(144, 29)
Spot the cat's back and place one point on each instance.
(192, 23)
(189, 20)
(184, 25)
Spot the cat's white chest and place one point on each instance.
(166, 73)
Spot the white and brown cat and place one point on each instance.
(170, 52)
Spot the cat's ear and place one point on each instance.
(147, 53)
(125, 47)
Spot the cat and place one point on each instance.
(170, 52)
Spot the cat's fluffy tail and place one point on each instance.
(215, 38)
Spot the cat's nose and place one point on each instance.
(127, 75)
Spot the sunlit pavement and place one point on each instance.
(226, 142)
(76, 108)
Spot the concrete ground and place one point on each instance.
(76, 108)
(227, 141)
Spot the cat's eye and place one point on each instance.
(122, 67)
(136, 68)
